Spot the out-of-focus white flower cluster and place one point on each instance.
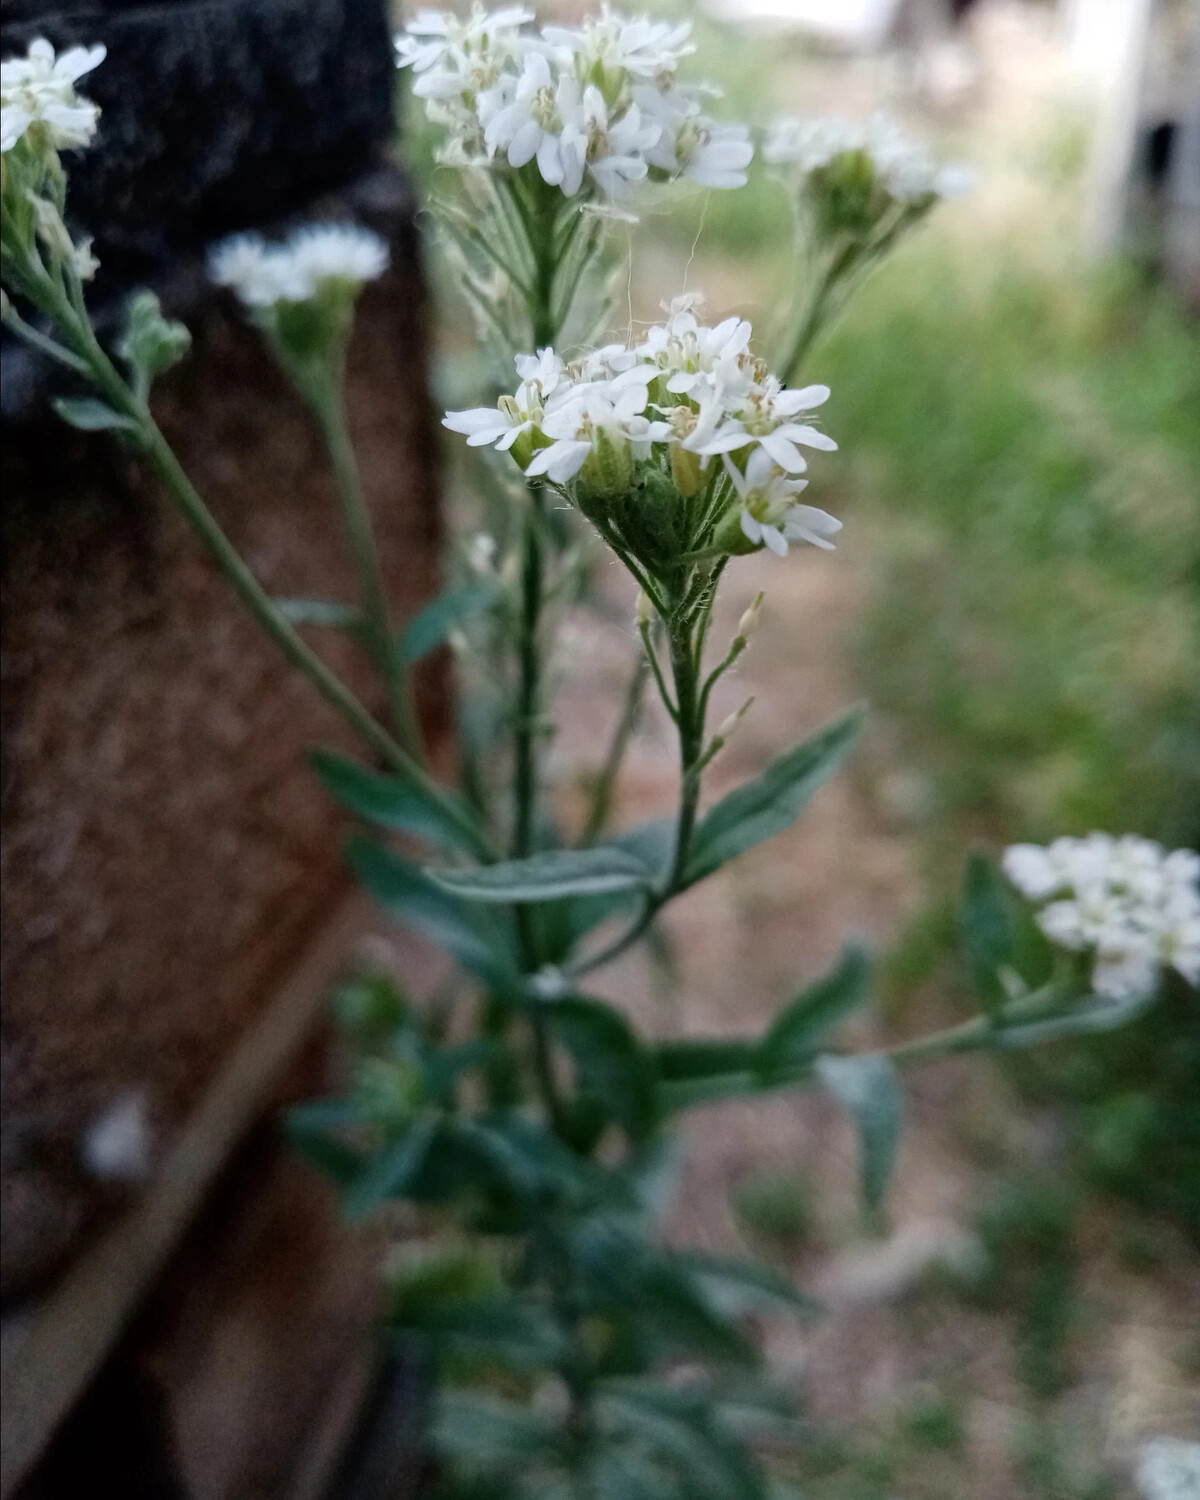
(1169, 1469)
(1127, 901)
(300, 267)
(904, 168)
(688, 404)
(596, 108)
(38, 99)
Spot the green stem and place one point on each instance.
(689, 718)
(162, 460)
(602, 792)
(329, 406)
(818, 310)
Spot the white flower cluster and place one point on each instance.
(1125, 900)
(297, 269)
(684, 397)
(904, 167)
(38, 91)
(596, 107)
(1169, 1469)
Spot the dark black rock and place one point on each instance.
(217, 114)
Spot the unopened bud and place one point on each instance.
(727, 726)
(608, 469)
(50, 228)
(748, 621)
(687, 471)
(644, 609)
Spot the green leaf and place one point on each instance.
(771, 802)
(490, 1430)
(985, 918)
(744, 1284)
(90, 415)
(552, 876)
(428, 629)
(397, 802)
(310, 1128)
(611, 1065)
(325, 612)
(798, 1030)
(868, 1088)
(704, 1070)
(392, 1170)
(682, 1431)
(520, 1335)
(481, 944)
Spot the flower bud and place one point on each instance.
(747, 623)
(729, 724)
(51, 230)
(608, 469)
(687, 471)
(644, 609)
(729, 536)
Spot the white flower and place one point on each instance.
(1168, 1469)
(691, 143)
(711, 397)
(1126, 901)
(612, 150)
(39, 89)
(769, 516)
(432, 35)
(610, 42)
(904, 167)
(295, 271)
(573, 427)
(761, 414)
(532, 125)
(336, 252)
(1032, 871)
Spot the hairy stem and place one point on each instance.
(330, 408)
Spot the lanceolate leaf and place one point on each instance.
(395, 802)
(868, 1087)
(611, 1066)
(799, 1030)
(90, 415)
(391, 1171)
(552, 876)
(771, 802)
(479, 941)
(744, 1283)
(986, 922)
(428, 629)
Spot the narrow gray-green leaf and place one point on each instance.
(799, 1030)
(868, 1088)
(428, 629)
(398, 802)
(90, 415)
(391, 1171)
(761, 808)
(985, 918)
(551, 876)
(481, 944)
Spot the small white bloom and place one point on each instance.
(296, 270)
(39, 90)
(769, 515)
(610, 43)
(336, 252)
(1168, 1469)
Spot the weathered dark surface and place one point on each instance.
(216, 115)
(165, 847)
